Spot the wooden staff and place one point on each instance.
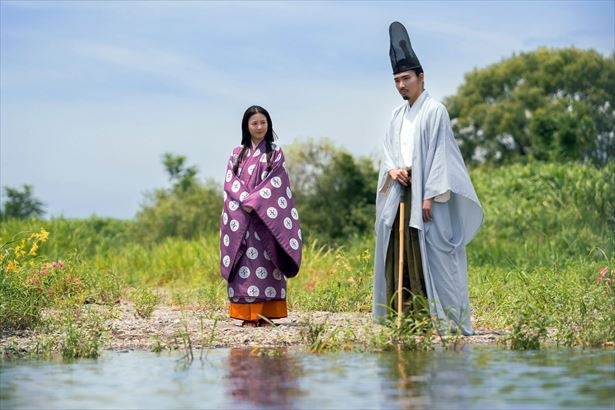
(400, 270)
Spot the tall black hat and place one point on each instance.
(401, 53)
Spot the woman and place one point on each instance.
(260, 239)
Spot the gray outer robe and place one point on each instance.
(438, 169)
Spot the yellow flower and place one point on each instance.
(33, 249)
(43, 235)
(12, 266)
(19, 252)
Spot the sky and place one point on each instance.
(93, 93)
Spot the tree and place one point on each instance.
(549, 104)
(21, 204)
(187, 209)
(181, 176)
(335, 192)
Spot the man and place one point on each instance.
(422, 166)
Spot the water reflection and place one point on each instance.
(490, 378)
(420, 380)
(473, 378)
(264, 377)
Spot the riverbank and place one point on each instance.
(174, 327)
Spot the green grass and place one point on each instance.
(533, 268)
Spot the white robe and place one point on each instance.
(438, 171)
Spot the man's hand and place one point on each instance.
(401, 175)
(427, 203)
(247, 209)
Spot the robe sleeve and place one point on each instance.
(233, 221)
(272, 201)
(234, 187)
(437, 184)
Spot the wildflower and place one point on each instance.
(60, 264)
(604, 271)
(12, 266)
(33, 249)
(309, 286)
(19, 252)
(53, 264)
(43, 235)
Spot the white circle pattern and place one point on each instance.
(233, 205)
(229, 175)
(272, 212)
(294, 214)
(282, 203)
(288, 224)
(277, 274)
(251, 169)
(294, 244)
(231, 292)
(244, 272)
(234, 225)
(265, 193)
(289, 193)
(226, 261)
(235, 187)
(270, 292)
(261, 273)
(243, 196)
(276, 182)
(226, 240)
(252, 253)
(253, 291)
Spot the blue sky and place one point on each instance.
(93, 93)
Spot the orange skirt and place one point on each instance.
(273, 309)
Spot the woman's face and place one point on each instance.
(257, 125)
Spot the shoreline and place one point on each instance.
(173, 328)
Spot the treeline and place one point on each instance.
(542, 211)
(548, 104)
(334, 192)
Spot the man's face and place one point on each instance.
(409, 85)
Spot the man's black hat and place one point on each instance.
(401, 53)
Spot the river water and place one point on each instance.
(475, 377)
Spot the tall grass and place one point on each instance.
(544, 214)
(548, 232)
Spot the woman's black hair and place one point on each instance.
(246, 137)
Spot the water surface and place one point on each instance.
(472, 378)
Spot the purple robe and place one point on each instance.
(258, 250)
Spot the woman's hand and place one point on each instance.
(401, 175)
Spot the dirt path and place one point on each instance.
(172, 328)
